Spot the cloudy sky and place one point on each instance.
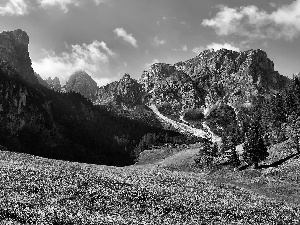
(108, 38)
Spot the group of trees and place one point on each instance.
(271, 120)
(158, 139)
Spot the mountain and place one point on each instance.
(169, 89)
(207, 87)
(37, 120)
(81, 82)
(127, 92)
(54, 83)
(14, 50)
(234, 77)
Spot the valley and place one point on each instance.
(210, 140)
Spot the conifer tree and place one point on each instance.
(254, 148)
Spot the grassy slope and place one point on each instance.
(43, 191)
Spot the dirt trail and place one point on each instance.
(184, 128)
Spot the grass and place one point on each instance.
(35, 190)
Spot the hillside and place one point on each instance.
(42, 191)
(44, 122)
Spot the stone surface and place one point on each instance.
(169, 88)
(14, 51)
(233, 77)
(54, 84)
(82, 83)
(127, 93)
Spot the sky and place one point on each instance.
(108, 38)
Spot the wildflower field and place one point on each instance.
(35, 190)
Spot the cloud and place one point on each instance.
(14, 7)
(182, 48)
(158, 42)
(215, 47)
(147, 65)
(252, 22)
(88, 57)
(120, 32)
(104, 47)
(63, 4)
(98, 2)
(197, 50)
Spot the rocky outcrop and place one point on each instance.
(233, 77)
(14, 51)
(81, 82)
(54, 84)
(127, 93)
(170, 89)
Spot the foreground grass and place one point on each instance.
(34, 190)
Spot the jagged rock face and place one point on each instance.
(167, 87)
(233, 77)
(14, 51)
(82, 83)
(127, 92)
(54, 83)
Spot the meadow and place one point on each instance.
(35, 190)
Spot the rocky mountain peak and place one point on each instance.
(14, 51)
(126, 92)
(54, 83)
(82, 83)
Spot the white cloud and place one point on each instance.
(63, 4)
(197, 50)
(215, 47)
(120, 32)
(252, 22)
(98, 2)
(14, 7)
(182, 48)
(88, 57)
(104, 46)
(147, 65)
(158, 42)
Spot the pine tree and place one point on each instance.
(206, 154)
(229, 145)
(254, 148)
(293, 130)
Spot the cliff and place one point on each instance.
(14, 51)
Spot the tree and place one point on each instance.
(293, 130)
(254, 148)
(206, 154)
(229, 145)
